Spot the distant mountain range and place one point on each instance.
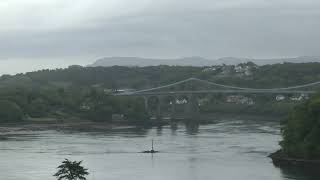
(195, 61)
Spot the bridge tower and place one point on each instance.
(146, 103)
(174, 107)
(192, 109)
(160, 102)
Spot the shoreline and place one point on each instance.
(42, 124)
(280, 159)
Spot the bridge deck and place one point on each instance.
(228, 89)
(214, 92)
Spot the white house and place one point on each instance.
(180, 101)
(238, 99)
(299, 98)
(280, 97)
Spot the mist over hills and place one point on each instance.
(141, 62)
(195, 61)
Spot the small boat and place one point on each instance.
(152, 150)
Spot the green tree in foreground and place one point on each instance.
(71, 170)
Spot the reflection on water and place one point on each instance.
(226, 150)
(192, 128)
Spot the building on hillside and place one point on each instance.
(227, 70)
(280, 97)
(243, 69)
(85, 107)
(209, 69)
(300, 97)
(181, 101)
(239, 99)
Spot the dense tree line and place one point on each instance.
(17, 104)
(268, 76)
(301, 130)
(107, 77)
(83, 91)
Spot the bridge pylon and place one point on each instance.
(192, 109)
(174, 108)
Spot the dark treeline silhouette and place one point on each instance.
(267, 76)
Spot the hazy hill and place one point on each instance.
(141, 62)
(194, 61)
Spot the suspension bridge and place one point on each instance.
(176, 89)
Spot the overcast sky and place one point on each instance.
(55, 33)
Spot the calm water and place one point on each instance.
(227, 150)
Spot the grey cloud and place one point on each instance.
(180, 28)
